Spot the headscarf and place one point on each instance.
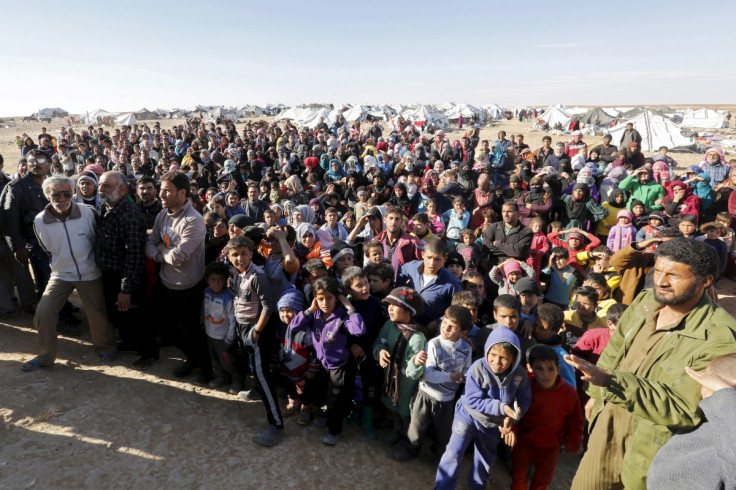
(717, 150)
(336, 175)
(319, 216)
(612, 198)
(402, 201)
(307, 213)
(585, 177)
(432, 191)
(575, 209)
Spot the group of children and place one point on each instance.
(490, 374)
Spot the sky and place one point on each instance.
(122, 56)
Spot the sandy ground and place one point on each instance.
(82, 424)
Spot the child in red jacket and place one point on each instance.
(553, 419)
(539, 248)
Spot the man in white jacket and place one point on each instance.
(66, 230)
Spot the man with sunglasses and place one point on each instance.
(66, 230)
(22, 200)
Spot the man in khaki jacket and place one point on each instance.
(640, 391)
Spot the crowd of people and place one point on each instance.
(465, 291)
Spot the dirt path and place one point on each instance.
(82, 424)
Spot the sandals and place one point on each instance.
(31, 365)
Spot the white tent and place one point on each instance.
(312, 118)
(467, 111)
(655, 130)
(96, 116)
(494, 111)
(423, 115)
(127, 119)
(553, 115)
(705, 118)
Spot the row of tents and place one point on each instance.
(661, 126)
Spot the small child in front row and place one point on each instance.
(219, 324)
(399, 349)
(298, 363)
(494, 384)
(330, 319)
(553, 419)
(449, 357)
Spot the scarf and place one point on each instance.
(393, 373)
(623, 235)
(576, 209)
(612, 198)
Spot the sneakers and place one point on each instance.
(270, 436)
(291, 409)
(305, 416)
(235, 388)
(331, 439)
(250, 395)
(216, 383)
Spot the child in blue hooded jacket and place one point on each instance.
(494, 385)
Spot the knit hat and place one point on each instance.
(577, 235)
(85, 175)
(637, 202)
(241, 221)
(406, 298)
(656, 216)
(340, 249)
(291, 298)
(527, 285)
(511, 266)
(624, 213)
(455, 258)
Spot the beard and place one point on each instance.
(677, 299)
(61, 207)
(109, 198)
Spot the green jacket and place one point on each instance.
(645, 193)
(410, 373)
(666, 400)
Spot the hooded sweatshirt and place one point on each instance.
(487, 393)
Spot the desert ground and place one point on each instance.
(83, 424)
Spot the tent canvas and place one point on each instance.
(705, 118)
(53, 112)
(553, 115)
(596, 117)
(466, 110)
(655, 130)
(125, 119)
(145, 114)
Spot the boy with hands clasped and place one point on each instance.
(494, 384)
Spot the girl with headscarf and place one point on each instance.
(585, 176)
(580, 208)
(428, 191)
(400, 198)
(335, 172)
(616, 202)
(306, 213)
(623, 232)
(680, 200)
(306, 245)
(319, 211)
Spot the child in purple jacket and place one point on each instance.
(497, 392)
(330, 319)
